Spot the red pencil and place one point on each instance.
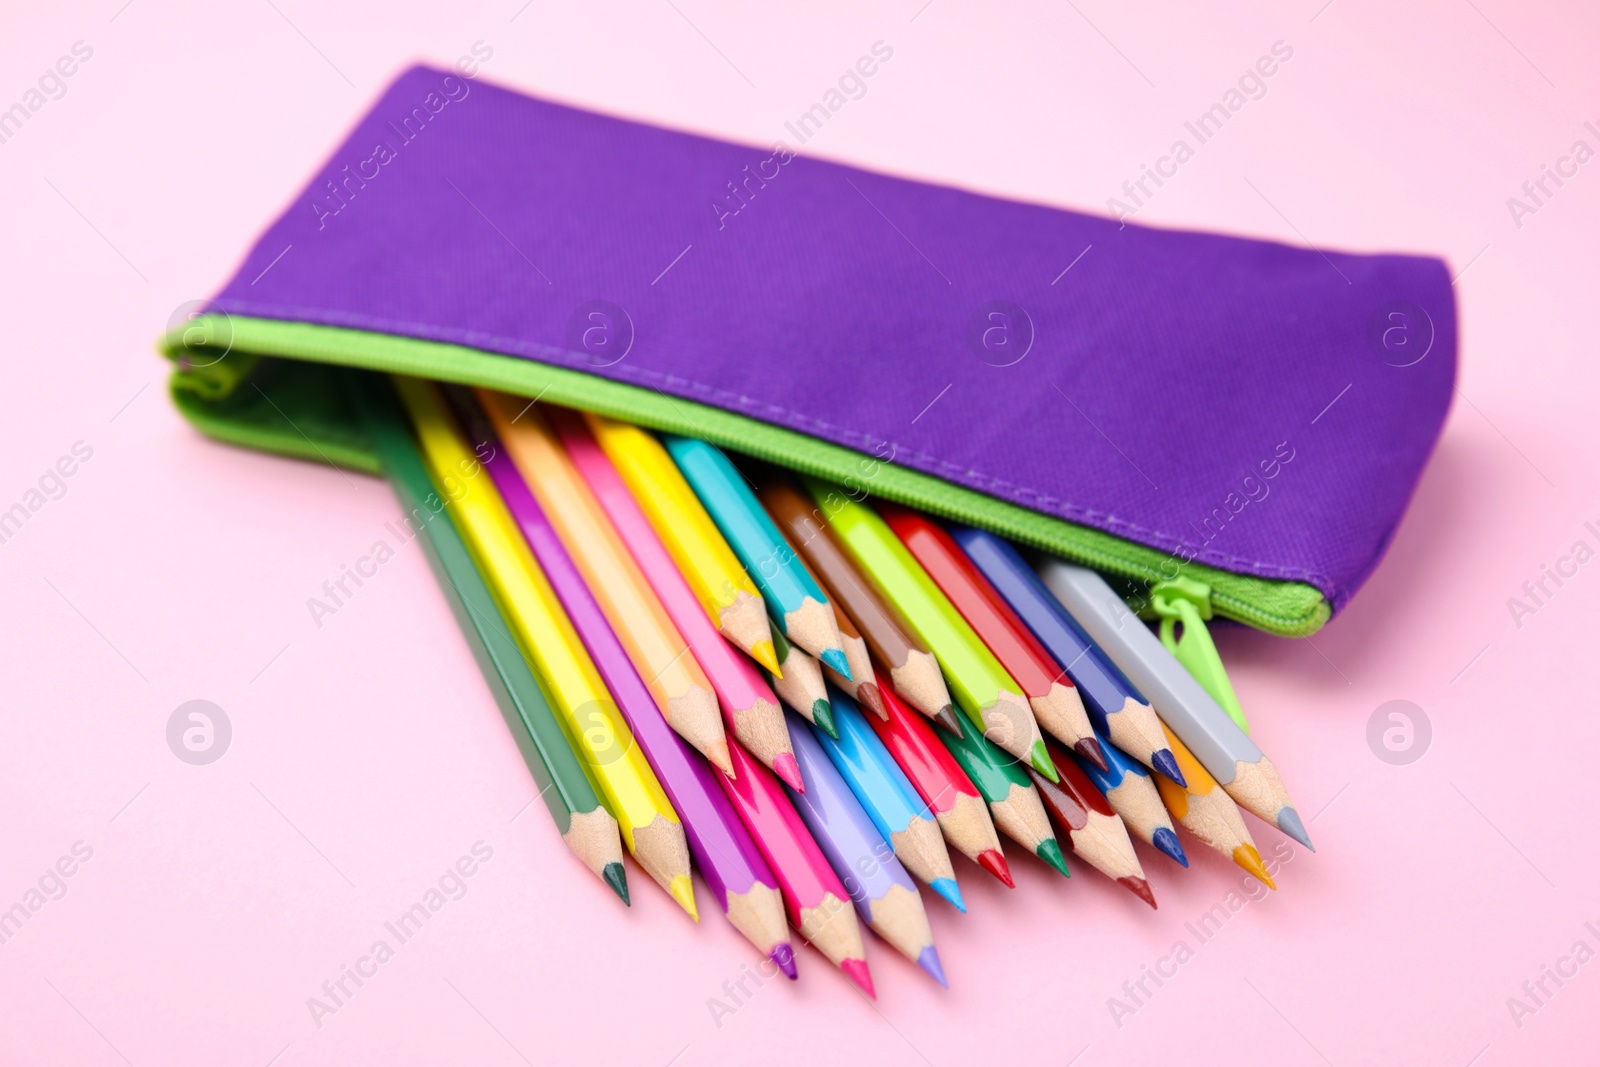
(1055, 700)
(1093, 830)
(817, 903)
(940, 781)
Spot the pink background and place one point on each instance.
(367, 755)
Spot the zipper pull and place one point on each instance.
(1186, 602)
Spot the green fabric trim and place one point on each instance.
(229, 384)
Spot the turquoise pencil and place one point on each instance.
(893, 804)
(795, 600)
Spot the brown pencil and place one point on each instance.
(913, 670)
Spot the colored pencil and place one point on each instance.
(795, 602)
(801, 685)
(889, 798)
(884, 895)
(862, 683)
(941, 783)
(748, 704)
(1116, 709)
(813, 896)
(1205, 810)
(1050, 692)
(983, 689)
(724, 591)
(533, 455)
(650, 827)
(1008, 790)
(1131, 793)
(1094, 831)
(588, 617)
(911, 668)
(588, 829)
(1183, 704)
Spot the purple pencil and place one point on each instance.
(883, 892)
(722, 848)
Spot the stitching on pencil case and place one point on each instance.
(1043, 502)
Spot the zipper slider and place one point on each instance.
(1185, 602)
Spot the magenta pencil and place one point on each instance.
(751, 710)
(816, 900)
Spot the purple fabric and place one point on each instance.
(1167, 370)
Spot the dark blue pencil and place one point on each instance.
(1132, 793)
(1116, 709)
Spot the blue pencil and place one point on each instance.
(883, 893)
(889, 798)
(1116, 709)
(797, 603)
(1131, 792)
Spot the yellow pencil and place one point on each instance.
(659, 653)
(697, 546)
(650, 827)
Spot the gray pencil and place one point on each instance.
(1199, 721)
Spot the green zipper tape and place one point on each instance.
(256, 382)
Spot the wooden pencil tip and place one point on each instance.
(617, 879)
(868, 695)
(1042, 763)
(763, 653)
(682, 890)
(1249, 858)
(947, 718)
(783, 956)
(856, 971)
(1139, 888)
(1089, 749)
(991, 861)
(717, 753)
(1164, 761)
(786, 767)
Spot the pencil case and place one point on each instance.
(1235, 426)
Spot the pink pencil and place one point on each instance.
(748, 704)
(817, 903)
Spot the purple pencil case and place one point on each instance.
(1237, 419)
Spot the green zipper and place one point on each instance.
(256, 382)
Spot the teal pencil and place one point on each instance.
(890, 800)
(796, 601)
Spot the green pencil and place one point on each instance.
(583, 821)
(1012, 797)
(801, 686)
(982, 688)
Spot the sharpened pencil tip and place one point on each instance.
(1167, 841)
(1050, 851)
(617, 879)
(763, 653)
(717, 753)
(834, 657)
(785, 766)
(1140, 888)
(868, 695)
(682, 890)
(822, 715)
(1042, 763)
(948, 718)
(1164, 761)
(856, 971)
(1289, 822)
(991, 860)
(947, 888)
(1247, 857)
(928, 960)
(1089, 749)
(783, 956)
